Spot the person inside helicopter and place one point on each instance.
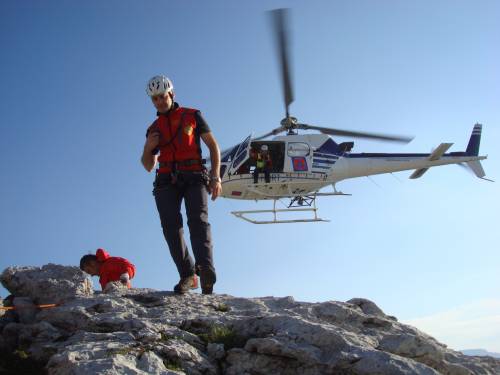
(263, 163)
(275, 151)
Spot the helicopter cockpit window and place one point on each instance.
(242, 152)
(298, 149)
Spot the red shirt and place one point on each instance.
(112, 267)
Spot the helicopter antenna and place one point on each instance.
(396, 177)
(373, 181)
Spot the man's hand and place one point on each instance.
(152, 141)
(148, 159)
(215, 188)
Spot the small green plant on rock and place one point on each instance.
(21, 354)
(223, 335)
(172, 364)
(165, 336)
(222, 307)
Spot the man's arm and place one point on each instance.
(127, 273)
(148, 158)
(215, 187)
(103, 280)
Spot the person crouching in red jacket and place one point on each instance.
(108, 268)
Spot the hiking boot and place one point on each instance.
(207, 280)
(185, 284)
(207, 289)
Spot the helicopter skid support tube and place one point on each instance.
(242, 215)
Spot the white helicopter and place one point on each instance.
(304, 164)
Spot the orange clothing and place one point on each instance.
(111, 268)
(179, 140)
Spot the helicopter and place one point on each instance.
(303, 164)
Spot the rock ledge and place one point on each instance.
(143, 331)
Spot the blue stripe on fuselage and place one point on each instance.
(327, 156)
(324, 161)
(320, 166)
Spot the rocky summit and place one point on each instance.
(144, 331)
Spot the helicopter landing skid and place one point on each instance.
(295, 202)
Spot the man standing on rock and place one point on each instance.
(173, 141)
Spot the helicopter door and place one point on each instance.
(242, 154)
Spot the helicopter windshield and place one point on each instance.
(228, 155)
(232, 158)
(242, 153)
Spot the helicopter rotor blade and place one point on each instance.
(280, 25)
(272, 132)
(348, 133)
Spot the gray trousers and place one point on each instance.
(191, 188)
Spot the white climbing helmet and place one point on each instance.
(264, 148)
(159, 85)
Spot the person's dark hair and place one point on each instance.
(86, 259)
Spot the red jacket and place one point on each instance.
(112, 267)
(178, 139)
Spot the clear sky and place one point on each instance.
(73, 114)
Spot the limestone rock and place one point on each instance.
(367, 306)
(51, 283)
(143, 331)
(215, 351)
(25, 309)
(115, 287)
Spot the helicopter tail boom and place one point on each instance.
(435, 155)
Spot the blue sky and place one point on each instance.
(73, 114)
